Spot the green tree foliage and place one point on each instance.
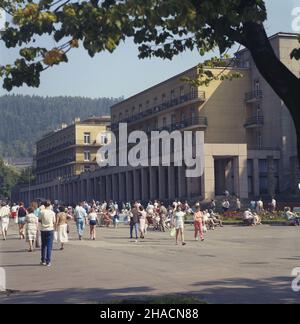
(27, 175)
(8, 179)
(161, 28)
(25, 119)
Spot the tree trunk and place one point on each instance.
(279, 77)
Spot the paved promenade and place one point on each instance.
(233, 265)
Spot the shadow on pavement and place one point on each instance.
(74, 296)
(274, 290)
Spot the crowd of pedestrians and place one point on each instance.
(42, 224)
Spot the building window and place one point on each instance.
(193, 113)
(172, 94)
(263, 176)
(193, 92)
(87, 168)
(257, 87)
(164, 122)
(173, 119)
(182, 91)
(120, 116)
(182, 116)
(133, 111)
(87, 138)
(250, 169)
(163, 98)
(87, 156)
(104, 139)
(140, 108)
(259, 140)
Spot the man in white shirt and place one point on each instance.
(4, 219)
(48, 220)
(225, 205)
(80, 217)
(273, 205)
(259, 206)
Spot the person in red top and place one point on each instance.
(198, 223)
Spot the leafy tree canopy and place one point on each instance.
(161, 28)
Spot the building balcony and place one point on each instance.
(55, 149)
(156, 110)
(254, 122)
(195, 122)
(253, 96)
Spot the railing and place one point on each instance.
(198, 95)
(55, 149)
(189, 122)
(255, 121)
(55, 164)
(92, 143)
(262, 148)
(254, 95)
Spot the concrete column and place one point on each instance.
(256, 187)
(122, 187)
(153, 186)
(145, 184)
(182, 183)
(209, 178)
(171, 182)
(129, 186)
(271, 176)
(102, 188)
(136, 185)
(240, 176)
(108, 180)
(91, 188)
(115, 187)
(162, 183)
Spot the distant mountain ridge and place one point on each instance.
(24, 119)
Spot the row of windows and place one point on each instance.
(87, 139)
(182, 91)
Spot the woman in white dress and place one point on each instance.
(31, 228)
(62, 227)
(142, 220)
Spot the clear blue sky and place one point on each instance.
(122, 73)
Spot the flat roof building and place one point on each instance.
(70, 150)
(249, 144)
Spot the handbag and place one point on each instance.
(173, 232)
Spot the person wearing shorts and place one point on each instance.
(179, 225)
(93, 222)
(22, 213)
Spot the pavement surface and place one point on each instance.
(233, 265)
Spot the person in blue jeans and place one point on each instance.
(48, 220)
(80, 216)
(134, 222)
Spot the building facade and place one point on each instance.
(249, 140)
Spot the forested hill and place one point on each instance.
(24, 119)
